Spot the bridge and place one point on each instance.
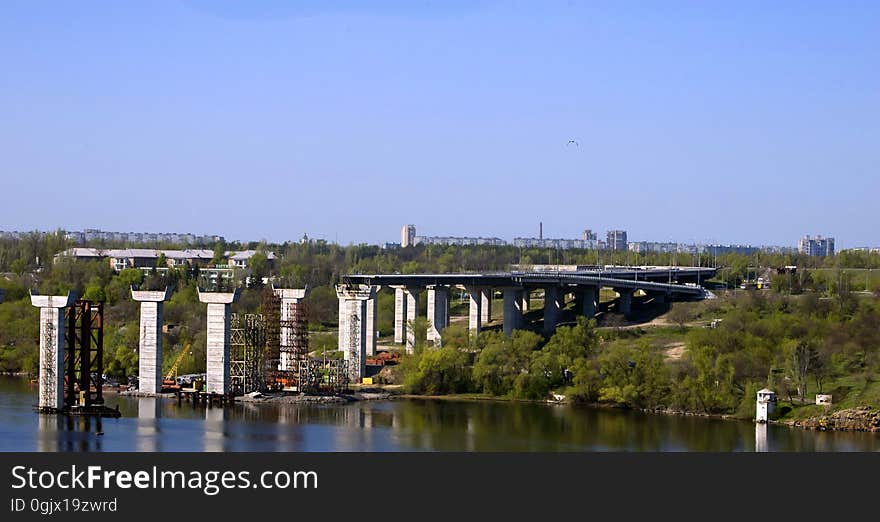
(357, 297)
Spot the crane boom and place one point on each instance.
(172, 373)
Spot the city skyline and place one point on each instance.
(743, 123)
(409, 237)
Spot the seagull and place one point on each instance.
(576, 144)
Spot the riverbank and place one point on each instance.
(863, 418)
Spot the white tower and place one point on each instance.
(766, 405)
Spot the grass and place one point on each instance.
(850, 391)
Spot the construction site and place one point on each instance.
(265, 352)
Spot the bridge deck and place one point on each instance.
(666, 279)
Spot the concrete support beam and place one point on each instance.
(526, 300)
(399, 315)
(218, 339)
(354, 327)
(372, 312)
(438, 312)
(412, 310)
(475, 314)
(52, 346)
(624, 302)
(512, 310)
(150, 344)
(552, 307)
(486, 307)
(588, 297)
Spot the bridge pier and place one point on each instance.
(486, 307)
(290, 299)
(475, 314)
(525, 299)
(588, 300)
(658, 297)
(412, 311)
(399, 314)
(372, 313)
(52, 346)
(553, 304)
(624, 302)
(150, 346)
(512, 310)
(217, 345)
(355, 327)
(438, 312)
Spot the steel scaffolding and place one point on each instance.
(84, 356)
(247, 353)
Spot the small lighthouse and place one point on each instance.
(766, 405)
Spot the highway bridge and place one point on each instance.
(357, 296)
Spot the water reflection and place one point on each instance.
(407, 425)
(69, 433)
(215, 429)
(148, 434)
(760, 437)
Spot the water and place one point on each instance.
(405, 425)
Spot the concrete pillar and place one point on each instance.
(399, 315)
(526, 300)
(552, 306)
(218, 338)
(624, 302)
(372, 312)
(589, 300)
(52, 346)
(290, 297)
(150, 345)
(353, 339)
(438, 312)
(486, 307)
(475, 315)
(412, 310)
(512, 310)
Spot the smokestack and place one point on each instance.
(540, 230)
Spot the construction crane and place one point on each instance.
(170, 380)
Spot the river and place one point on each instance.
(399, 425)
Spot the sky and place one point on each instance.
(736, 122)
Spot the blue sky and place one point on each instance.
(696, 121)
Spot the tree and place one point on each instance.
(259, 266)
(417, 329)
(219, 253)
(798, 357)
(502, 359)
(439, 371)
(680, 314)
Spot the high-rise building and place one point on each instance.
(816, 246)
(589, 235)
(616, 240)
(407, 235)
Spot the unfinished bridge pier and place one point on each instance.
(217, 346)
(150, 344)
(356, 326)
(52, 348)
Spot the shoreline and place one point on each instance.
(858, 419)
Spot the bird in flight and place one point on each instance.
(576, 144)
